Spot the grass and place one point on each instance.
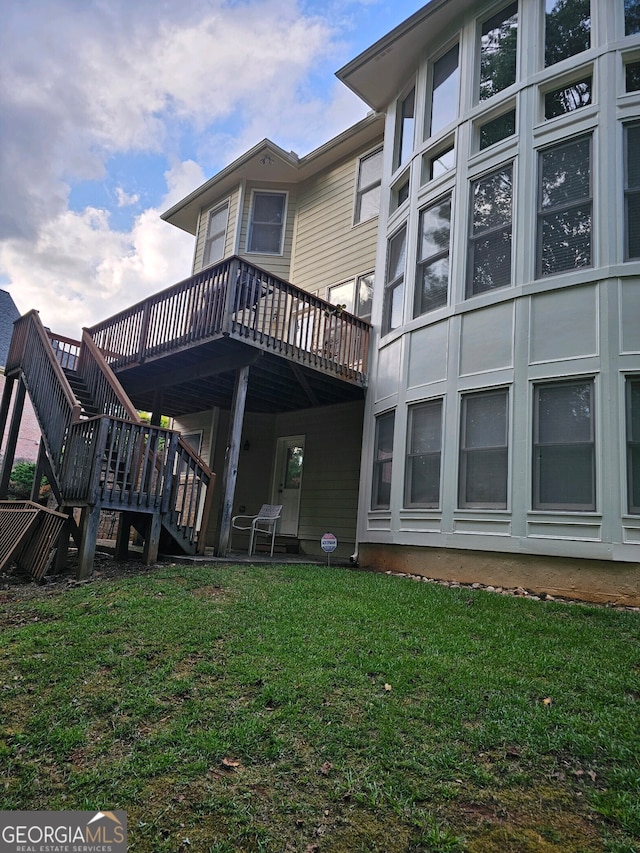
(297, 708)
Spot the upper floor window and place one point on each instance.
(216, 234)
(632, 191)
(632, 77)
(633, 444)
(266, 225)
(484, 450)
(490, 232)
(564, 446)
(438, 163)
(432, 274)
(497, 129)
(631, 17)
(394, 282)
(424, 447)
(498, 50)
(567, 99)
(444, 91)
(355, 296)
(564, 207)
(368, 187)
(404, 128)
(383, 461)
(567, 29)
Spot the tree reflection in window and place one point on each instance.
(568, 98)
(498, 48)
(490, 238)
(631, 17)
(567, 29)
(432, 278)
(564, 207)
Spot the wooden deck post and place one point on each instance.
(89, 521)
(12, 439)
(152, 539)
(231, 459)
(122, 536)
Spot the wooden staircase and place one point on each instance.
(96, 451)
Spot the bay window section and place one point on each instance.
(490, 232)
(424, 447)
(444, 91)
(394, 281)
(382, 461)
(484, 450)
(567, 29)
(564, 447)
(564, 207)
(216, 234)
(432, 273)
(633, 444)
(498, 51)
(266, 226)
(632, 191)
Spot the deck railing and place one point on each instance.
(237, 299)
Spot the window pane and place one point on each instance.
(492, 201)
(369, 204)
(397, 252)
(433, 286)
(424, 474)
(382, 462)
(435, 227)
(634, 417)
(365, 297)
(566, 173)
(566, 476)
(564, 413)
(633, 444)
(566, 241)
(343, 294)
(426, 428)
(441, 163)
(633, 225)
(632, 77)
(405, 128)
(444, 99)
(498, 44)
(491, 261)
(368, 192)
(370, 169)
(265, 233)
(485, 420)
(633, 156)
(423, 462)
(631, 17)
(268, 208)
(568, 99)
(483, 457)
(567, 29)
(486, 478)
(497, 129)
(634, 477)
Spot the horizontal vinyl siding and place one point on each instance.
(328, 247)
(278, 265)
(202, 229)
(199, 422)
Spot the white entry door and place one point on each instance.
(288, 482)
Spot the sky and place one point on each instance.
(111, 111)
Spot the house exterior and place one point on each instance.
(502, 423)
(312, 221)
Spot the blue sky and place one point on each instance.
(113, 110)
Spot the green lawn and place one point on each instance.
(299, 708)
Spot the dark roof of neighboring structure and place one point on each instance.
(8, 313)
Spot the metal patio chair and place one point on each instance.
(264, 522)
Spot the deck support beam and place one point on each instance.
(232, 456)
(152, 539)
(12, 439)
(89, 521)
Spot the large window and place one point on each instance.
(483, 450)
(382, 461)
(368, 189)
(567, 29)
(355, 296)
(564, 447)
(631, 17)
(266, 226)
(432, 274)
(216, 234)
(444, 91)
(498, 50)
(633, 443)
(632, 191)
(564, 207)
(490, 237)
(394, 281)
(405, 125)
(424, 446)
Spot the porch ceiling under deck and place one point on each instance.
(202, 377)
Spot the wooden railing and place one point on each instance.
(66, 350)
(237, 299)
(53, 400)
(109, 396)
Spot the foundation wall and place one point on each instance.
(588, 580)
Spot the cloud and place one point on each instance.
(81, 82)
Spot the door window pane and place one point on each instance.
(564, 449)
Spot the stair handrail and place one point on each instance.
(109, 395)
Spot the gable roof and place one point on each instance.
(267, 162)
(379, 73)
(8, 313)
